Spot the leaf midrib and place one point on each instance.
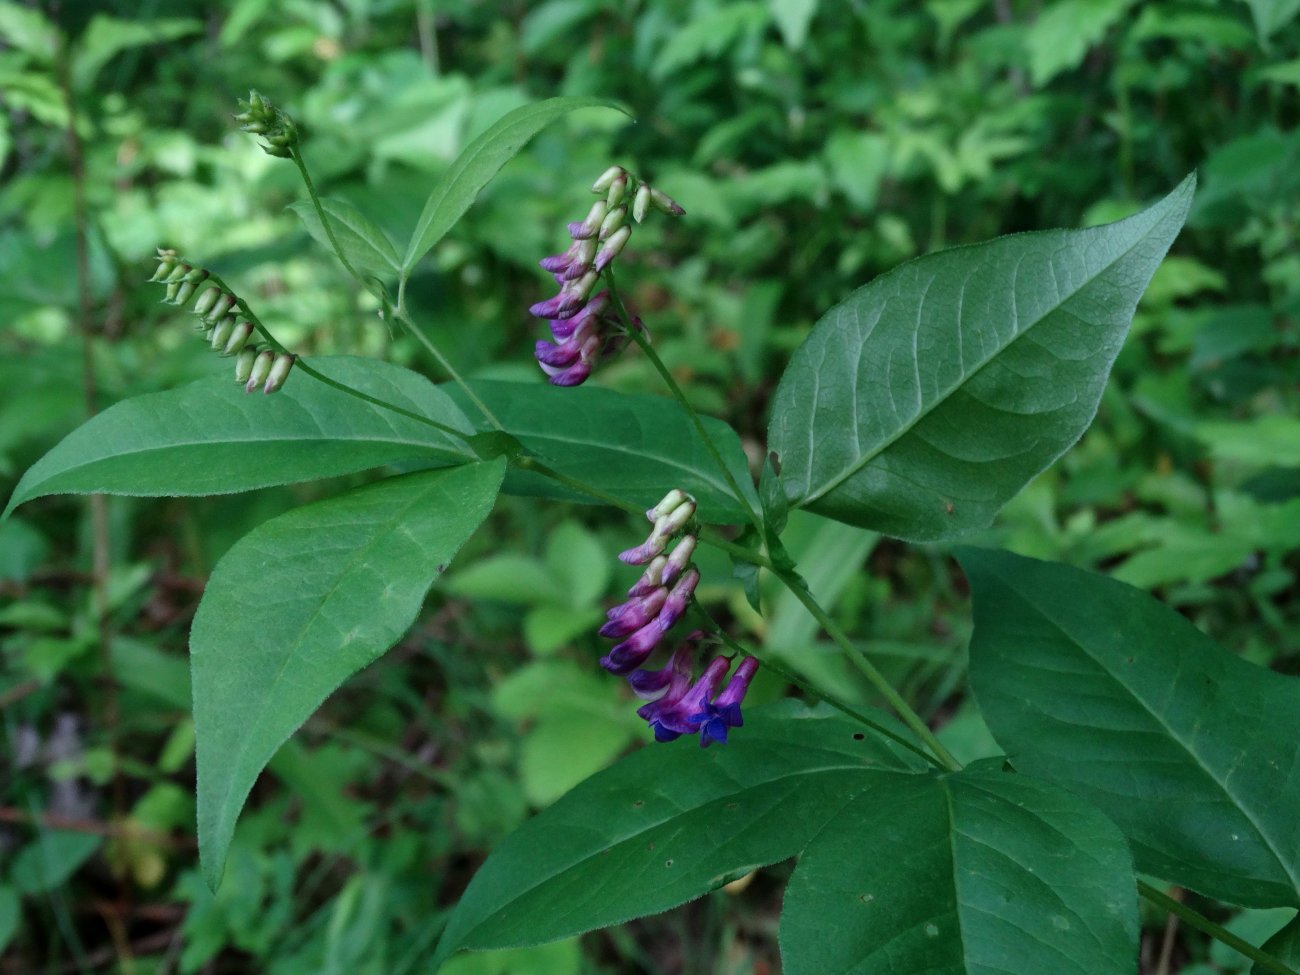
(944, 396)
(1236, 803)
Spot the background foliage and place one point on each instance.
(814, 145)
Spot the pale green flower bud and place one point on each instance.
(617, 190)
(173, 289)
(613, 220)
(239, 337)
(206, 300)
(606, 179)
(662, 201)
(261, 369)
(178, 273)
(225, 302)
(641, 202)
(183, 293)
(279, 372)
(244, 364)
(673, 500)
(221, 333)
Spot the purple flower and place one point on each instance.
(671, 717)
(724, 711)
(652, 578)
(675, 603)
(670, 681)
(628, 617)
(634, 651)
(678, 559)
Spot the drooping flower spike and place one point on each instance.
(220, 317)
(597, 240)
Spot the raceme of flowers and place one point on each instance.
(677, 704)
(583, 324)
(220, 323)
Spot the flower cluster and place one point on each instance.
(582, 323)
(677, 704)
(221, 324)
(262, 118)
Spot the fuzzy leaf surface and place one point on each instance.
(479, 162)
(300, 604)
(360, 238)
(980, 872)
(667, 824)
(210, 437)
(927, 399)
(1192, 751)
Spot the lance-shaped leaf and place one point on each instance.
(210, 437)
(1098, 687)
(923, 402)
(634, 447)
(301, 603)
(975, 873)
(667, 824)
(363, 242)
(479, 162)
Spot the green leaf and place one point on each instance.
(364, 243)
(976, 872)
(1194, 752)
(1284, 946)
(11, 913)
(48, 861)
(481, 160)
(108, 36)
(667, 824)
(1059, 39)
(1272, 15)
(926, 400)
(636, 448)
(301, 603)
(211, 438)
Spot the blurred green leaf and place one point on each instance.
(11, 912)
(299, 605)
(108, 36)
(48, 861)
(1063, 32)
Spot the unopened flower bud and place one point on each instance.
(225, 302)
(206, 300)
(178, 273)
(612, 222)
(671, 501)
(678, 559)
(662, 201)
(183, 293)
(641, 202)
(652, 578)
(196, 275)
(588, 227)
(279, 372)
(606, 179)
(166, 265)
(221, 333)
(671, 524)
(244, 364)
(612, 248)
(261, 369)
(239, 336)
(617, 190)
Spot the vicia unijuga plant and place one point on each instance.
(1138, 754)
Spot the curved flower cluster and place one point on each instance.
(262, 118)
(582, 324)
(221, 325)
(678, 705)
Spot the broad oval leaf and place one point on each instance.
(301, 603)
(1098, 687)
(669, 823)
(974, 873)
(210, 437)
(928, 398)
(636, 448)
(479, 162)
(364, 243)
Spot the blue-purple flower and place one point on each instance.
(595, 333)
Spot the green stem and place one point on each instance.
(403, 317)
(1203, 924)
(784, 672)
(796, 585)
(639, 338)
(296, 155)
